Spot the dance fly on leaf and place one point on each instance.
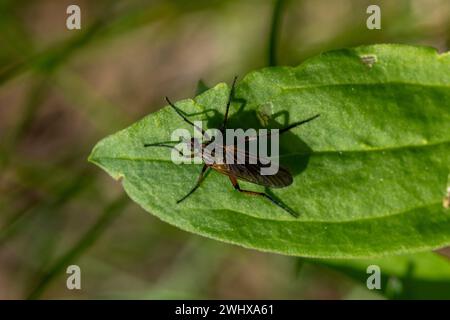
(247, 171)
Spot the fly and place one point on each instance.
(249, 172)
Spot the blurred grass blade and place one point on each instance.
(109, 24)
(274, 34)
(48, 60)
(65, 192)
(108, 215)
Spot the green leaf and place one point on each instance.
(369, 174)
(419, 276)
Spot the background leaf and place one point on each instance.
(419, 276)
(369, 174)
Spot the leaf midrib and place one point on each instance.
(322, 152)
(346, 84)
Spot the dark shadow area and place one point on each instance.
(260, 119)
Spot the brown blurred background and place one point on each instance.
(63, 90)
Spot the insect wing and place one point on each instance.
(251, 171)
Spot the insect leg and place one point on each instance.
(200, 179)
(225, 118)
(178, 111)
(262, 194)
(165, 146)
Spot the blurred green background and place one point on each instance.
(63, 90)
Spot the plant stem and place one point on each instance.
(274, 32)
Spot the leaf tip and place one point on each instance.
(95, 157)
(92, 156)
